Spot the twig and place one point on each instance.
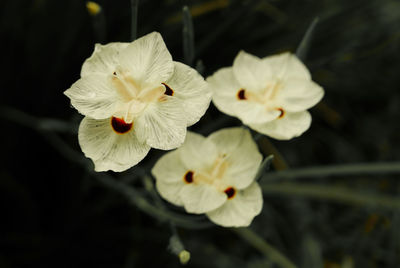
(261, 245)
(333, 193)
(335, 170)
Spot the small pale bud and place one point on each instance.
(184, 256)
(93, 8)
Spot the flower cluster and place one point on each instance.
(270, 95)
(134, 97)
(213, 175)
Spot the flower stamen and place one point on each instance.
(241, 94)
(282, 114)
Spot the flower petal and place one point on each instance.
(94, 96)
(148, 60)
(104, 59)
(289, 126)
(198, 153)
(189, 86)
(250, 71)
(108, 149)
(240, 210)
(201, 198)
(298, 95)
(225, 88)
(169, 172)
(241, 153)
(286, 65)
(162, 124)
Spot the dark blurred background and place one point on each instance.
(55, 214)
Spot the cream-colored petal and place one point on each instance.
(94, 96)
(162, 124)
(242, 155)
(147, 60)
(104, 59)
(225, 89)
(291, 125)
(240, 210)
(285, 66)
(298, 95)
(169, 172)
(189, 86)
(201, 198)
(198, 153)
(250, 72)
(107, 149)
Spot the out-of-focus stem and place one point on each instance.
(188, 37)
(304, 46)
(261, 245)
(334, 170)
(134, 16)
(332, 193)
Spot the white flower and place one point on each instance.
(213, 175)
(271, 95)
(134, 97)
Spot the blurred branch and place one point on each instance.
(333, 193)
(268, 148)
(188, 37)
(98, 20)
(335, 170)
(134, 16)
(305, 43)
(134, 196)
(262, 246)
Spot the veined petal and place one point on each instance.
(286, 65)
(298, 95)
(162, 125)
(94, 96)
(201, 198)
(147, 60)
(169, 172)
(108, 149)
(104, 59)
(241, 153)
(240, 210)
(250, 71)
(289, 126)
(225, 88)
(197, 152)
(188, 85)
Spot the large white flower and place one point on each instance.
(213, 175)
(271, 95)
(134, 97)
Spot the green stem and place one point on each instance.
(134, 16)
(262, 246)
(335, 170)
(332, 193)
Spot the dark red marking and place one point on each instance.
(168, 90)
(188, 178)
(120, 126)
(282, 112)
(241, 94)
(114, 73)
(230, 192)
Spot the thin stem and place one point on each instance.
(261, 245)
(134, 16)
(188, 37)
(332, 193)
(305, 43)
(335, 170)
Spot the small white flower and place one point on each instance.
(213, 175)
(271, 95)
(135, 97)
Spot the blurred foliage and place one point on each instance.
(54, 214)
